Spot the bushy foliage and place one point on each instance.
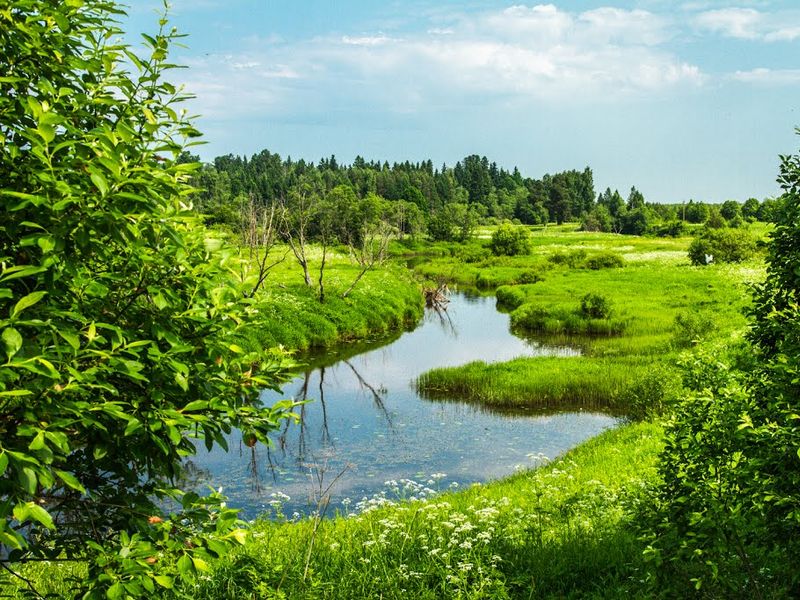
(721, 245)
(119, 327)
(728, 511)
(596, 306)
(510, 296)
(572, 258)
(508, 240)
(605, 260)
(592, 317)
(692, 328)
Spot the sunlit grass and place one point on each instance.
(561, 530)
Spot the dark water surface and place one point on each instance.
(366, 424)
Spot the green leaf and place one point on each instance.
(164, 581)
(133, 426)
(3, 462)
(11, 540)
(100, 182)
(71, 338)
(12, 340)
(185, 565)
(240, 535)
(70, 480)
(200, 564)
(27, 302)
(115, 592)
(96, 290)
(48, 132)
(46, 243)
(21, 271)
(38, 442)
(32, 511)
(27, 479)
(41, 515)
(196, 405)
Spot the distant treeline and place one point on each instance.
(435, 200)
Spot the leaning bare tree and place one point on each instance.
(366, 230)
(298, 211)
(259, 226)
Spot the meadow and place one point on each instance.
(657, 305)
(568, 528)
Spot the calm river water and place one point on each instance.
(366, 424)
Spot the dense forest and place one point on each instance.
(447, 201)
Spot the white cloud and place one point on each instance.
(743, 23)
(751, 24)
(517, 54)
(626, 26)
(367, 40)
(766, 76)
(784, 34)
(539, 51)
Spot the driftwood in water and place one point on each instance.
(437, 298)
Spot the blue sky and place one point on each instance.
(691, 99)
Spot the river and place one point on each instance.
(365, 426)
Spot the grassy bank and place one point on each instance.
(658, 305)
(558, 531)
(290, 314)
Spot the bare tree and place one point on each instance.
(259, 237)
(366, 230)
(298, 211)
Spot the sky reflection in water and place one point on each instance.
(366, 422)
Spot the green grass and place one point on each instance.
(660, 305)
(559, 531)
(386, 300)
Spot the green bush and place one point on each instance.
(539, 319)
(508, 240)
(605, 260)
(530, 276)
(572, 259)
(596, 306)
(120, 322)
(692, 328)
(510, 296)
(723, 245)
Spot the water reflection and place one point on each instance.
(364, 423)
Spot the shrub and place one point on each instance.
(605, 260)
(471, 254)
(691, 328)
(510, 296)
(670, 229)
(572, 259)
(721, 245)
(530, 276)
(596, 306)
(508, 240)
(119, 319)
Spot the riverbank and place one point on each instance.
(290, 314)
(563, 530)
(651, 305)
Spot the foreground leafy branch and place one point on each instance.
(119, 321)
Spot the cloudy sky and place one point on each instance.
(685, 100)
